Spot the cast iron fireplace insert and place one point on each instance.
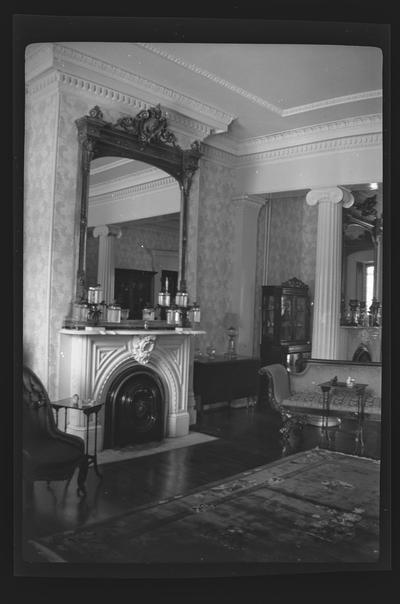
(135, 408)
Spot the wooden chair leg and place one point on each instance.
(83, 470)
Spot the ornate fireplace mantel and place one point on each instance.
(91, 359)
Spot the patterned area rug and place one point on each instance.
(315, 506)
(141, 450)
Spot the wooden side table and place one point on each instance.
(87, 410)
(223, 379)
(358, 390)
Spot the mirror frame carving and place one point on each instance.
(145, 138)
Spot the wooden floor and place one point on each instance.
(246, 439)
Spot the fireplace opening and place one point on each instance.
(134, 410)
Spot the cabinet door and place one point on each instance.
(300, 318)
(269, 326)
(286, 331)
(134, 290)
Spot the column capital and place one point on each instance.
(330, 195)
(107, 230)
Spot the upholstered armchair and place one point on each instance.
(277, 385)
(48, 453)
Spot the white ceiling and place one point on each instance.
(268, 88)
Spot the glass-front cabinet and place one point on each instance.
(285, 324)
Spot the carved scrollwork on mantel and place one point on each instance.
(294, 282)
(141, 347)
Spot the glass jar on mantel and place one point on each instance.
(285, 324)
(178, 312)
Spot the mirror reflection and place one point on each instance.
(361, 252)
(132, 244)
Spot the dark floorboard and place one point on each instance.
(246, 439)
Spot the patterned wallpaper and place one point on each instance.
(293, 238)
(66, 226)
(215, 240)
(129, 254)
(40, 143)
(92, 257)
(259, 278)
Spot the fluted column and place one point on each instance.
(106, 260)
(326, 318)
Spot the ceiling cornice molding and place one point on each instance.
(217, 155)
(360, 125)
(211, 76)
(146, 177)
(182, 124)
(216, 118)
(115, 163)
(155, 228)
(129, 192)
(331, 102)
(325, 146)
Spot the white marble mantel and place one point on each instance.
(90, 360)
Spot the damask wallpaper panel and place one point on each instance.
(216, 229)
(39, 185)
(292, 242)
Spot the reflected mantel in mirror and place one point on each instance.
(146, 138)
(362, 270)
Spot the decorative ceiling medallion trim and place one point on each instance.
(339, 100)
(326, 146)
(62, 53)
(129, 192)
(211, 76)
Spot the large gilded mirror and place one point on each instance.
(144, 141)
